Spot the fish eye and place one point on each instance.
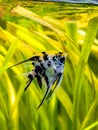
(60, 54)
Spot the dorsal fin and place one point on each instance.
(34, 58)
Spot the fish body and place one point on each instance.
(49, 67)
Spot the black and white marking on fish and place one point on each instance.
(49, 67)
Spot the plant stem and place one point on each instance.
(85, 52)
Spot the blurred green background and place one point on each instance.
(30, 27)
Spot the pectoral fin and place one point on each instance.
(31, 77)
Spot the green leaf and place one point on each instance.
(85, 52)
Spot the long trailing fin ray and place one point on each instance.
(43, 97)
(29, 82)
(30, 59)
(55, 84)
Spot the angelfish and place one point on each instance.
(49, 67)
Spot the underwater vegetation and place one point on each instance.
(74, 105)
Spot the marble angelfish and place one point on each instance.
(47, 66)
